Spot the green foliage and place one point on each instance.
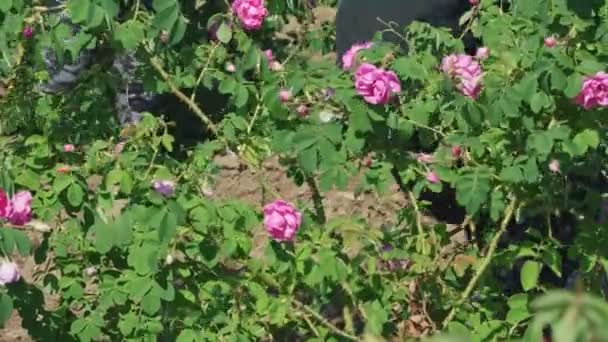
(129, 264)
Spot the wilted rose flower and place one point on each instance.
(425, 158)
(432, 177)
(251, 13)
(63, 169)
(9, 273)
(164, 187)
(68, 148)
(282, 220)
(5, 204)
(118, 148)
(350, 56)
(21, 210)
(276, 66)
(328, 93)
(284, 95)
(326, 116)
(90, 271)
(303, 110)
(594, 92)
(376, 85)
(554, 166)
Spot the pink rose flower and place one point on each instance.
(164, 187)
(425, 158)
(282, 220)
(456, 151)
(554, 166)
(550, 42)
(350, 56)
(21, 209)
(376, 85)
(251, 13)
(303, 110)
(5, 204)
(9, 273)
(474, 2)
(594, 92)
(482, 53)
(230, 67)
(269, 55)
(465, 72)
(68, 148)
(284, 95)
(432, 177)
(28, 32)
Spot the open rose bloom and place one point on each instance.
(17, 210)
(251, 13)
(466, 72)
(350, 57)
(594, 92)
(282, 220)
(376, 85)
(9, 273)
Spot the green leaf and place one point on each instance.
(187, 335)
(529, 274)
(75, 195)
(228, 85)
(22, 242)
(575, 82)
(224, 33)
(80, 10)
(6, 308)
(166, 18)
(130, 34)
(151, 302)
(29, 179)
(6, 5)
(587, 139)
(553, 259)
(472, 190)
(167, 227)
(308, 159)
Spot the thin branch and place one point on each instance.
(484, 263)
(324, 321)
(156, 64)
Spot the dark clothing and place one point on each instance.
(357, 20)
(130, 99)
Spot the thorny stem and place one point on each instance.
(205, 68)
(484, 263)
(324, 321)
(154, 61)
(317, 199)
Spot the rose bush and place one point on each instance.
(134, 247)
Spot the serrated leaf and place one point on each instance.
(75, 195)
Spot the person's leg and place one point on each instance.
(131, 98)
(358, 21)
(63, 77)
